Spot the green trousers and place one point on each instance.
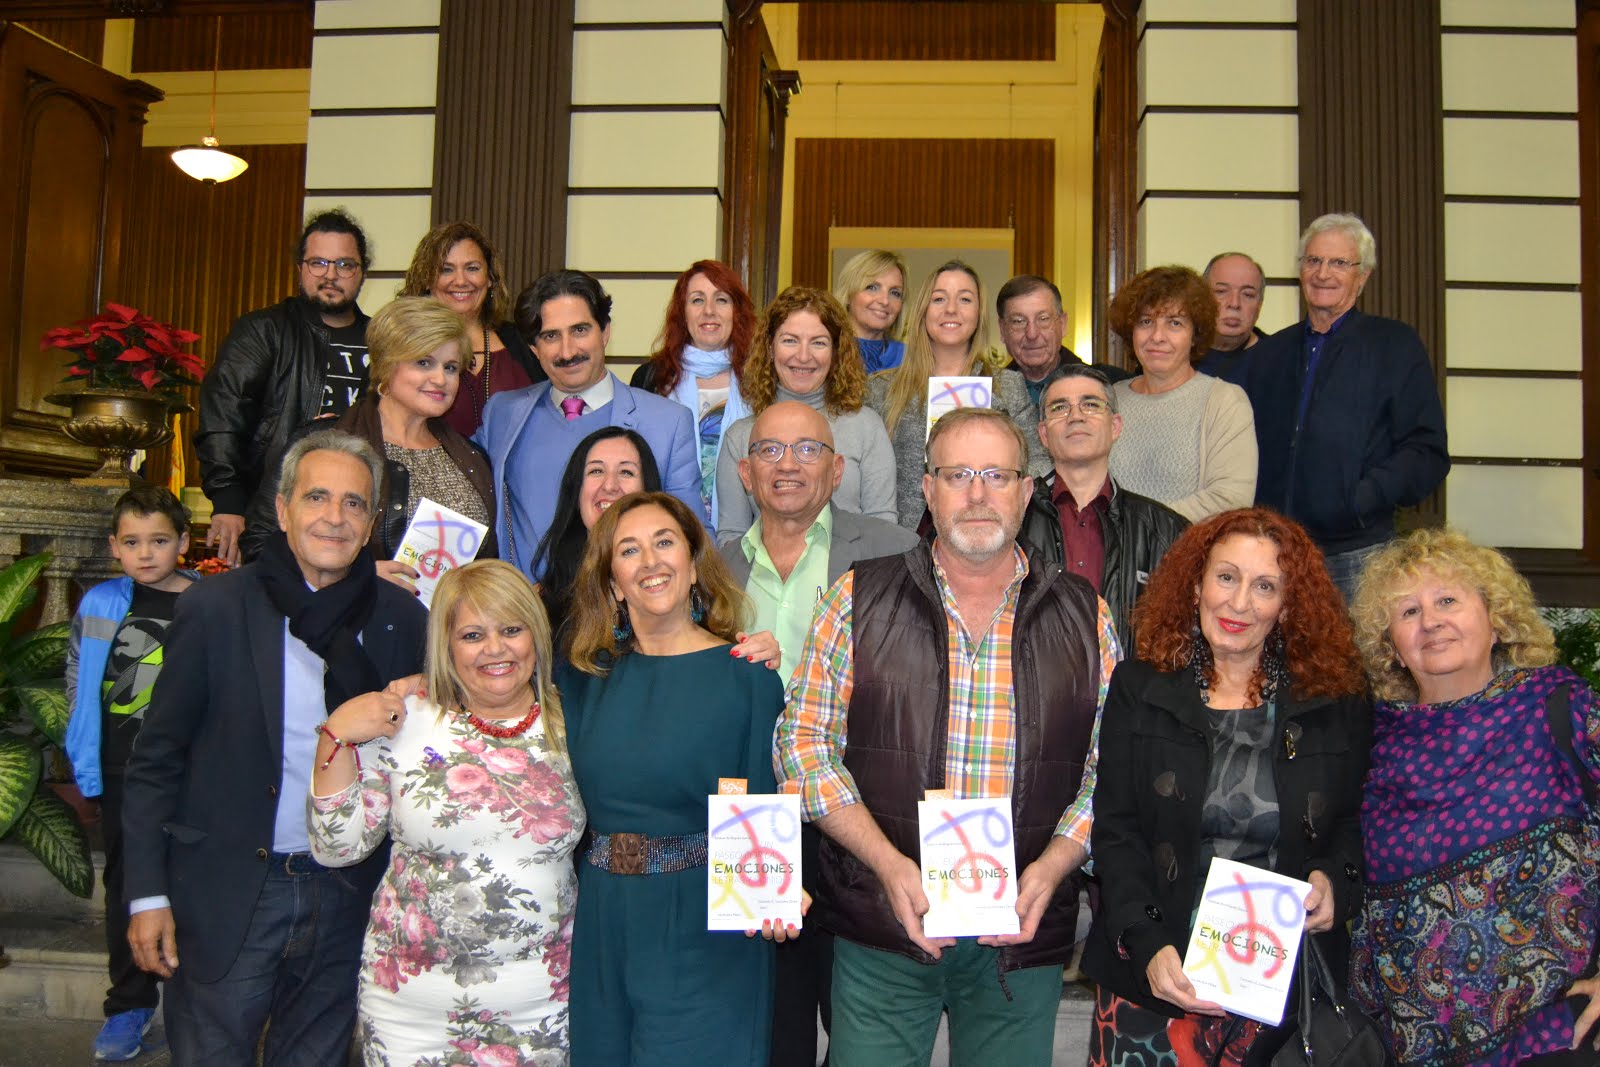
(886, 1008)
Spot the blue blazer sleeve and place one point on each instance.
(680, 468)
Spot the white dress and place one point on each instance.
(468, 950)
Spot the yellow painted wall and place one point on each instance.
(964, 100)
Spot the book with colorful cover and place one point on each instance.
(752, 860)
(1246, 938)
(969, 867)
(438, 540)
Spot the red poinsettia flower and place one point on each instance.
(123, 348)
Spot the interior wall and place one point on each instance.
(1513, 314)
(1219, 140)
(1052, 101)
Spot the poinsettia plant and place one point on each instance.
(123, 348)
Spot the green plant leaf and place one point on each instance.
(16, 585)
(39, 654)
(46, 703)
(51, 831)
(20, 767)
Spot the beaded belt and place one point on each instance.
(638, 854)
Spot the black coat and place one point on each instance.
(1137, 531)
(1154, 763)
(1373, 438)
(266, 380)
(201, 796)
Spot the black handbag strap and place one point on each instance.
(1558, 713)
(1316, 979)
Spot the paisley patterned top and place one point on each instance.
(1482, 899)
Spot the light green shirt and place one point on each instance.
(785, 607)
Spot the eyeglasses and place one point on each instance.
(343, 267)
(961, 477)
(1338, 266)
(1018, 323)
(1091, 407)
(805, 450)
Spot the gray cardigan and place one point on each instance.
(909, 437)
(858, 436)
(855, 538)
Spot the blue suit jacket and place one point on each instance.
(666, 426)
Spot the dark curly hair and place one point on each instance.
(845, 386)
(667, 359)
(1160, 288)
(428, 261)
(1319, 648)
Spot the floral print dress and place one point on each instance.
(467, 953)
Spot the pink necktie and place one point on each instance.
(572, 406)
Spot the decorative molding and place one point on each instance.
(1510, 372)
(1512, 461)
(1514, 287)
(1588, 60)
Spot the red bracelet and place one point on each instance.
(338, 743)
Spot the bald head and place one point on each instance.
(789, 489)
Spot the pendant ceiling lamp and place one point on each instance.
(205, 161)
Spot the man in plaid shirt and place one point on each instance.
(956, 666)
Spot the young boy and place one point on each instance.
(113, 657)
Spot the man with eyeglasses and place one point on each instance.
(1032, 325)
(964, 665)
(797, 548)
(1239, 284)
(281, 367)
(1348, 420)
(1078, 516)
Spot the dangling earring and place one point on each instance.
(1273, 668)
(697, 605)
(1199, 654)
(622, 626)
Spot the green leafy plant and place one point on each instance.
(33, 717)
(1578, 641)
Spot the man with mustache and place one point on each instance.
(530, 433)
(226, 902)
(280, 367)
(961, 665)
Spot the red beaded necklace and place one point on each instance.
(516, 729)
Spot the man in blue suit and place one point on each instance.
(530, 433)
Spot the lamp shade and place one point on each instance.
(208, 163)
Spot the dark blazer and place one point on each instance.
(855, 537)
(1373, 437)
(201, 795)
(1154, 764)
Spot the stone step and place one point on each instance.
(57, 966)
(25, 886)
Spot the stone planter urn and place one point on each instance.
(116, 423)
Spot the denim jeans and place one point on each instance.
(298, 969)
(1345, 568)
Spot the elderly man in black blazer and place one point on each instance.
(798, 546)
(227, 903)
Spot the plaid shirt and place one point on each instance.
(981, 747)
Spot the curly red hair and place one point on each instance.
(1319, 647)
(667, 359)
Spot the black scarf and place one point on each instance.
(328, 620)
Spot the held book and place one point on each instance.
(945, 394)
(969, 867)
(438, 540)
(752, 860)
(1245, 939)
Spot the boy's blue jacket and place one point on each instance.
(94, 627)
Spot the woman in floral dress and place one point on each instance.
(468, 948)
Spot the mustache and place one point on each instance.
(570, 361)
(978, 511)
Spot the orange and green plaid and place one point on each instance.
(981, 743)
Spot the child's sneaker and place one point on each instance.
(122, 1037)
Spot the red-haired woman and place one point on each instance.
(699, 357)
(1240, 731)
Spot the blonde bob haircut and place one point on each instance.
(594, 646)
(405, 330)
(499, 593)
(909, 387)
(1521, 637)
(860, 269)
(844, 387)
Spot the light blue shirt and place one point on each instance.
(304, 709)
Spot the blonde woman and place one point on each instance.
(872, 287)
(949, 336)
(471, 927)
(1474, 943)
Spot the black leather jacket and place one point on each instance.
(1138, 531)
(266, 381)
